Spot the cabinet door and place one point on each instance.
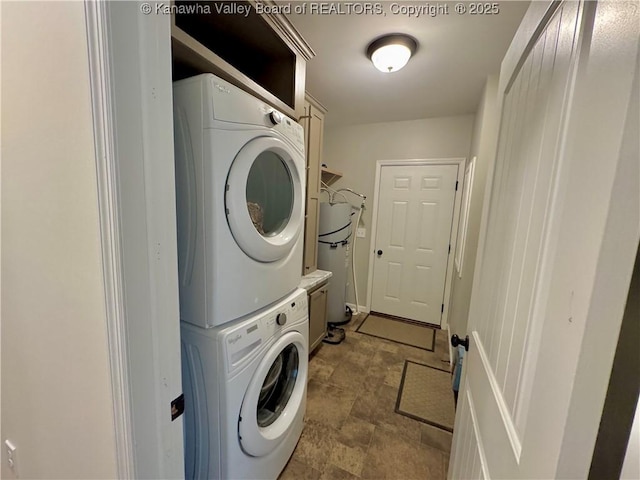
(317, 316)
(311, 236)
(314, 150)
(313, 126)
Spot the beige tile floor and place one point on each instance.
(351, 429)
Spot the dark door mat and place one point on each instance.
(399, 331)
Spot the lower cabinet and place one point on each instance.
(317, 316)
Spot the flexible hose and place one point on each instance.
(353, 261)
(332, 194)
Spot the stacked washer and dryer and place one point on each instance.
(240, 177)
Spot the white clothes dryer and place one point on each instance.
(245, 387)
(240, 190)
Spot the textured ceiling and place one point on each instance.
(455, 54)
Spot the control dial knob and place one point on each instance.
(281, 319)
(275, 117)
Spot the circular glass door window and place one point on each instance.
(264, 198)
(270, 194)
(278, 385)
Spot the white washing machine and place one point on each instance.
(240, 192)
(245, 386)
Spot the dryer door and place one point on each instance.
(275, 397)
(265, 198)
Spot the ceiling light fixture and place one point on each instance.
(390, 53)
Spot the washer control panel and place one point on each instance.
(281, 318)
(242, 340)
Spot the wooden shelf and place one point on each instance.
(262, 54)
(191, 58)
(330, 176)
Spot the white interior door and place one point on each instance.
(536, 372)
(413, 231)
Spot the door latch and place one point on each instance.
(177, 407)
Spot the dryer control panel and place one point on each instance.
(224, 102)
(284, 125)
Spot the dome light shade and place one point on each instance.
(391, 52)
(390, 58)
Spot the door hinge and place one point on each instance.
(449, 248)
(442, 309)
(456, 185)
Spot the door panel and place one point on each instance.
(422, 284)
(311, 235)
(314, 149)
(428, 218)
(532, 292)
(415, 214)
(313, 123)
(471, 451)
(528, 163)
(398, 224)
(525, 174)
(317, 317)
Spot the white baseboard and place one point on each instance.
(361, 309)
(450, 347)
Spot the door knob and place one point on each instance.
(379, 252)
(455, 341)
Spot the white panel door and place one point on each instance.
(415, 214)
(528, 406)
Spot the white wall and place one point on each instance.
(56, 388)
(354, 150)
(483, 146)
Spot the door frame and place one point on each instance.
(419, 162)
(128, 58)
(103, 106)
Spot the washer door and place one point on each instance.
(274, 396)
(264, 202)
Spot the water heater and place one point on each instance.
(334, 240)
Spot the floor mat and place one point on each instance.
(425, 394)
(407, 333)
